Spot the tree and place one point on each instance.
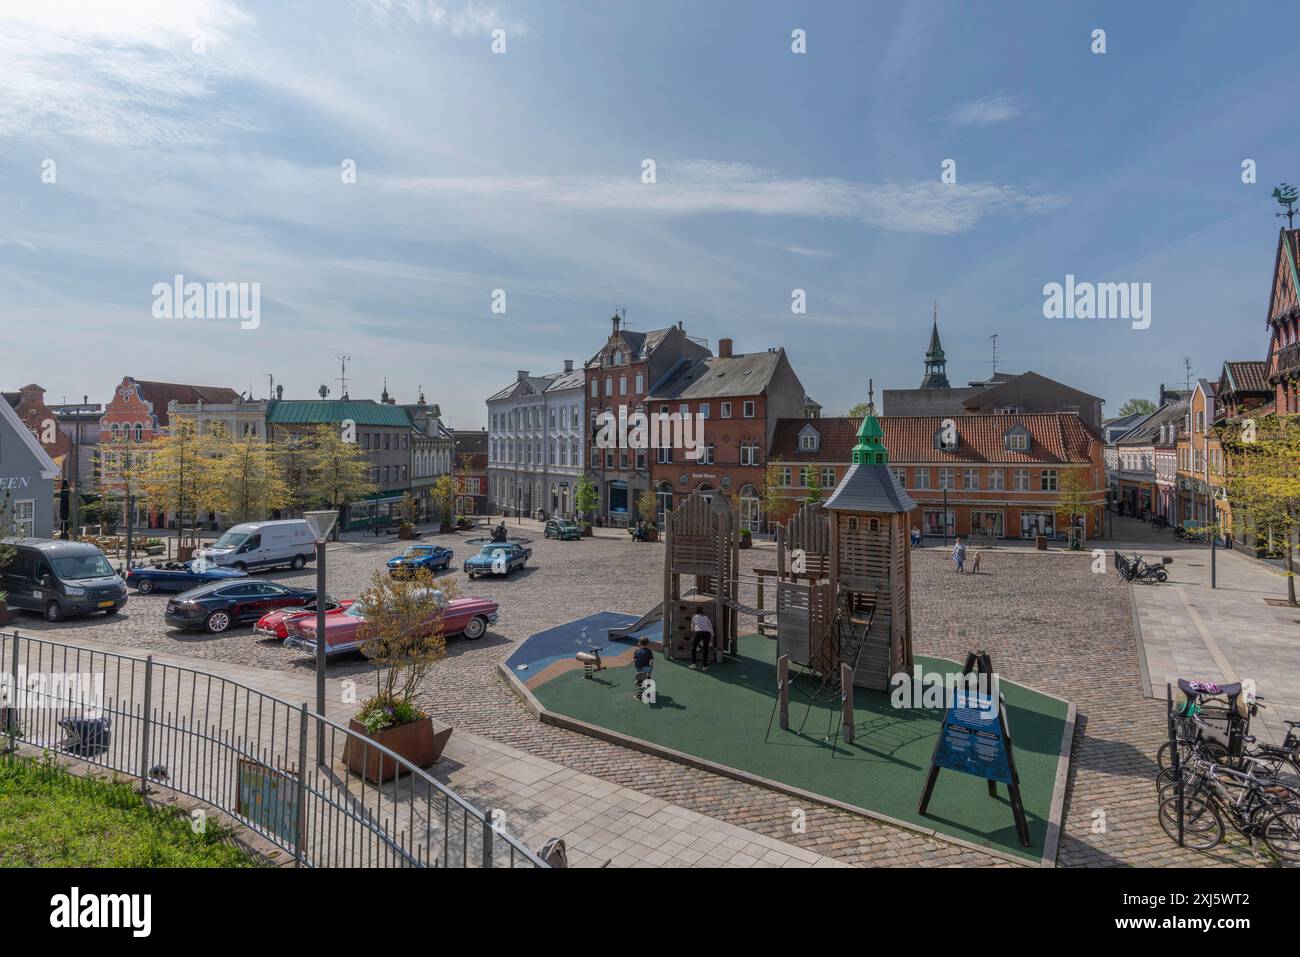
(1137, 407)
(334, 472)
(813, 484)
(444, 494)
(1263, 478)
(1074, 496)
(647, 505)
(123, 466)
(586, 497)
(181, 475)
(252, 484)
(859, 411)
(402, 633)
(776, 505)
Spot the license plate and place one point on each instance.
(106, 604)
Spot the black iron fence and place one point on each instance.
(350, 802)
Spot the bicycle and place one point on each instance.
(1261, 808)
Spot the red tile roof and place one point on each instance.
(1054, 437)
(160, 393)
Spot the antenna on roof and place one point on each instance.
(343, 376)
(1187, 373)
(994, 337)
(871, 397)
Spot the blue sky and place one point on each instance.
(521, 171)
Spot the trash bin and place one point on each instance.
(1040, 542)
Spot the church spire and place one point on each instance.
(870, 450)
(936, 376)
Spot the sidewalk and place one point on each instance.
(600, 821)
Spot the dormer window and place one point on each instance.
(810, 440)
(1016, 439)
(946, 439)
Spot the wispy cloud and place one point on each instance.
(699, 187)
(987, 110)
(459, 19)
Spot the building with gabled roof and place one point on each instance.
(1283, 362)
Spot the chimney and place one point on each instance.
(568, 365)
(522, 374)
(724, 348)
(679, 325)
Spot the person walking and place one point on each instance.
(703, 629)
(916, 537)
(959, 555)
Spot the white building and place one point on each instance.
(535, 443)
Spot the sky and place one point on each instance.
(214, 139)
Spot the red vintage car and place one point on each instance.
(276, 623)
(467, 617)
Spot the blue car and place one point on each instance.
(497, 558)
(179, 576)
(433, 557)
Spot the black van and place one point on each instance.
(60, 579)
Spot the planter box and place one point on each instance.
(6, 615)
(746, 541)
(416, 741)
(405, 532)
(586, 531)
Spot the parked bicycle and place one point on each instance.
(1257, 806)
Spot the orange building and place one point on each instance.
(998, 474)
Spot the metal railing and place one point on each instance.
(248, 754)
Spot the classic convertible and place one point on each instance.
(276, 624)
(497, 558)
(433, 557)
(179, 576)
(468, 617)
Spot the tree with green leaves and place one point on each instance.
(1263, 479)
(776, 505)
(1137, 407)
(251, 482)
(813, 483)
(182, 475)
(647, 506)
(333, 470)
(586, 498)
(444, 493)
(859, 411)
(1074, 497)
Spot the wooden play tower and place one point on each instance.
(701, 541)
(845, 593)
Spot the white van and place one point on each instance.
(260, 545)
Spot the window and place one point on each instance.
(665, 455)
(595, 388)
(922, 479)
(995, 480)
(900, 475)
(640, 382)
(828, 476)
(943, 439)
(704, 410)
(609, 385)
(640, 459)
(706, 458)
(783, 476)
(946, 479)
(747, 410)
(1016, 439)
(749, 453)
(808, 442)
(970, 480)
(1048, 480)
(725, 411)
(24, 518)
(622, 385)
(1020, 480)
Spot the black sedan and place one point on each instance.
(216, 607)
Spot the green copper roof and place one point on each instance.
(331, 411)
(935, 353)
(870, 450)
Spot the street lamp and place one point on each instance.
(320, 523)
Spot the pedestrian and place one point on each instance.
(703, 630)
(959, 554)
(916, 537)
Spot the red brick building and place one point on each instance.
(739, 398)
(1283, 363)
(29, 403)
(998, 473)
(472, 450)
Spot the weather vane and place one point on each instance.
(1286, 196)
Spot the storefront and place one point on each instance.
(987, 522)
(27, 477)
(1033, 524)
(933, 522)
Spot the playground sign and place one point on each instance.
(268, 798)
(975, 740)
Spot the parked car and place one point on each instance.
(497, 558)
(276, 623)
(179, 576)
(433, 557)
(563, 530)
(60, 579)
(467, 617)
(262, 545)
(221, 605)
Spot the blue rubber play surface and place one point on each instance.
(564, 641)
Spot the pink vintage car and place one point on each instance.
(276, 623)
(467, 617)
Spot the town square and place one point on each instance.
(488, 456)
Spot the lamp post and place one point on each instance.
(945, 516)
(320, 523)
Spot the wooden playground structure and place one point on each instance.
(702, 542)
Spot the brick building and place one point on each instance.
(472, 463)
(1283, 368)
(1001, 473)
(739, 399)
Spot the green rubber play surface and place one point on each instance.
(723, 716)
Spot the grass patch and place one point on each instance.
(52, 818)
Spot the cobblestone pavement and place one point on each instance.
(1046, 620)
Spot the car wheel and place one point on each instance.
(112, 611)
(476, 628)
(297, 563)
(53, 611)
(145, 586)
(240, 567)
(217, 622)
